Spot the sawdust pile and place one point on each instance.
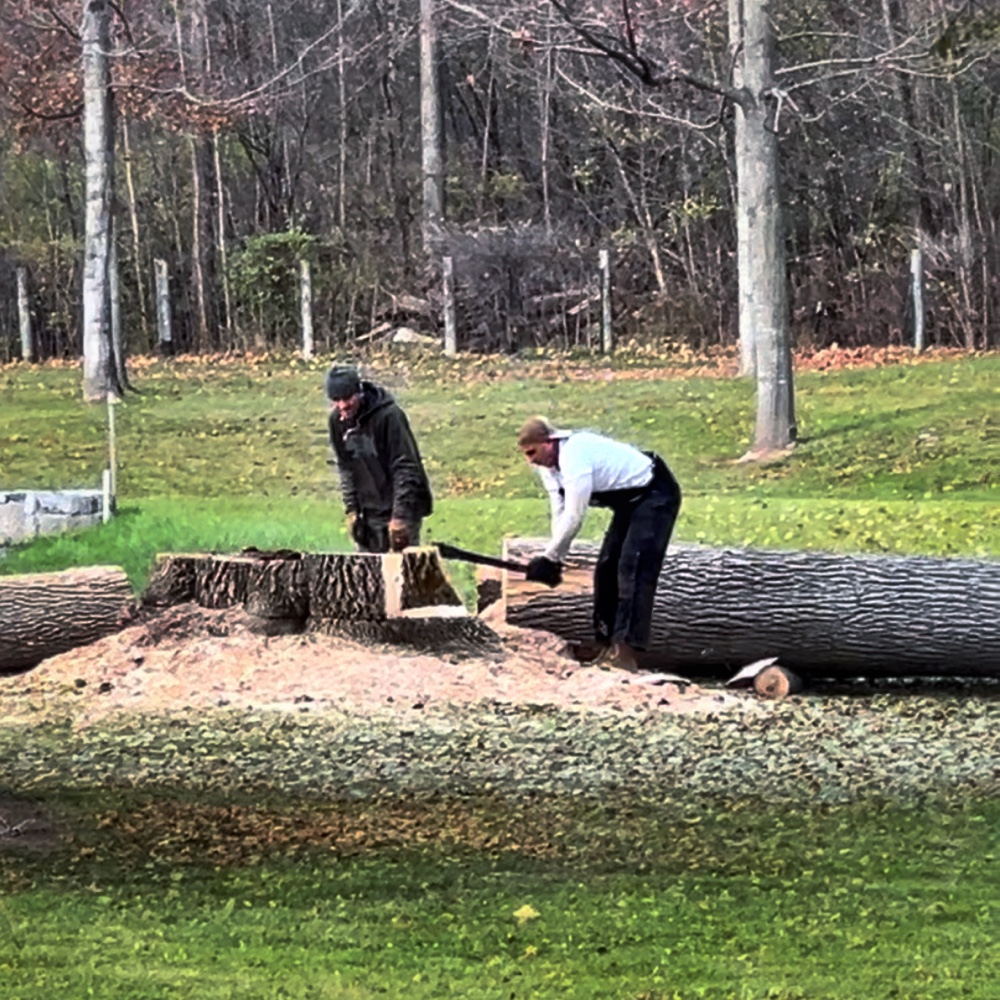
(191, 657)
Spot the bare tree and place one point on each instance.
(763, 300)
(430, 122)
(765, 342)
(100, 370)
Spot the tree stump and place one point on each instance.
(399, 598)
(44, 614)
(822, 615)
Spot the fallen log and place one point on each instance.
(822, 615)
(44, 614)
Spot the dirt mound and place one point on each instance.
(193, 657)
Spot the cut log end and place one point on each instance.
(459, 638)
(777, 682)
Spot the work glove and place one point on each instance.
(355, 527)
(541, 569)
(400, 534)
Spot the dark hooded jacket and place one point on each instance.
(381, 474)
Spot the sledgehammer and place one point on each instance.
(454, 552)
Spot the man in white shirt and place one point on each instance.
(581, 469)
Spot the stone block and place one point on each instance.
(27, 513)
(54, 524)
(68, 503)
(13, 526)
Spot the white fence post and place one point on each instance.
(164, 329)
(917, 299)
(106, 496)
(112, 448)
(448, 282)
(305, 296)
(607, 342)
(24, 315)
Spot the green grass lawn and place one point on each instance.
(216, 456)
(733, 903)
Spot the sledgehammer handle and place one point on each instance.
(454, 552)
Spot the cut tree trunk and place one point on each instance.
(822, 615)
(286, 584)
(400, 598)
(43, 614)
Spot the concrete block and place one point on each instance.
(69, 503)
(27, 513)
(54, 524)
(13, 526)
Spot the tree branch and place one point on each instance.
(640, 67)
(622, 109)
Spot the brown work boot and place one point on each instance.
(591, 652)
(624, 657)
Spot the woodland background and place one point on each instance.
(250, 135)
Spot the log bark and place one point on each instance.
(287, 584)
(400, 598)
(822, 615)
(43, 614)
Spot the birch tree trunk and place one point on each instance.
(545, 75)
(430, 121)
(115, 318)
(98, 368)
(765, 347)
(342, 123)
(24, 315)
(220, 195)
(199, 242)
(133, 211)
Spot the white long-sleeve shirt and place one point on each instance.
(588, 463)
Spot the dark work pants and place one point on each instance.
(631, 556)
(374, 535)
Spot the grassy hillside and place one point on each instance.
(220, 454)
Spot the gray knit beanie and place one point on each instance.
(342, 382)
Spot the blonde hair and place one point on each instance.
(536, 430)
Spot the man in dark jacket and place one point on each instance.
(382, 478)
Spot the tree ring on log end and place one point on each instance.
(777, 682)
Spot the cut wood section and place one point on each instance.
(489, 586)
(439, 636)
(822, 615)
(777, 682)
(44, 614)
(307, 586)
(401, 598)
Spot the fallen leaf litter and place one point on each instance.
(195, 698)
